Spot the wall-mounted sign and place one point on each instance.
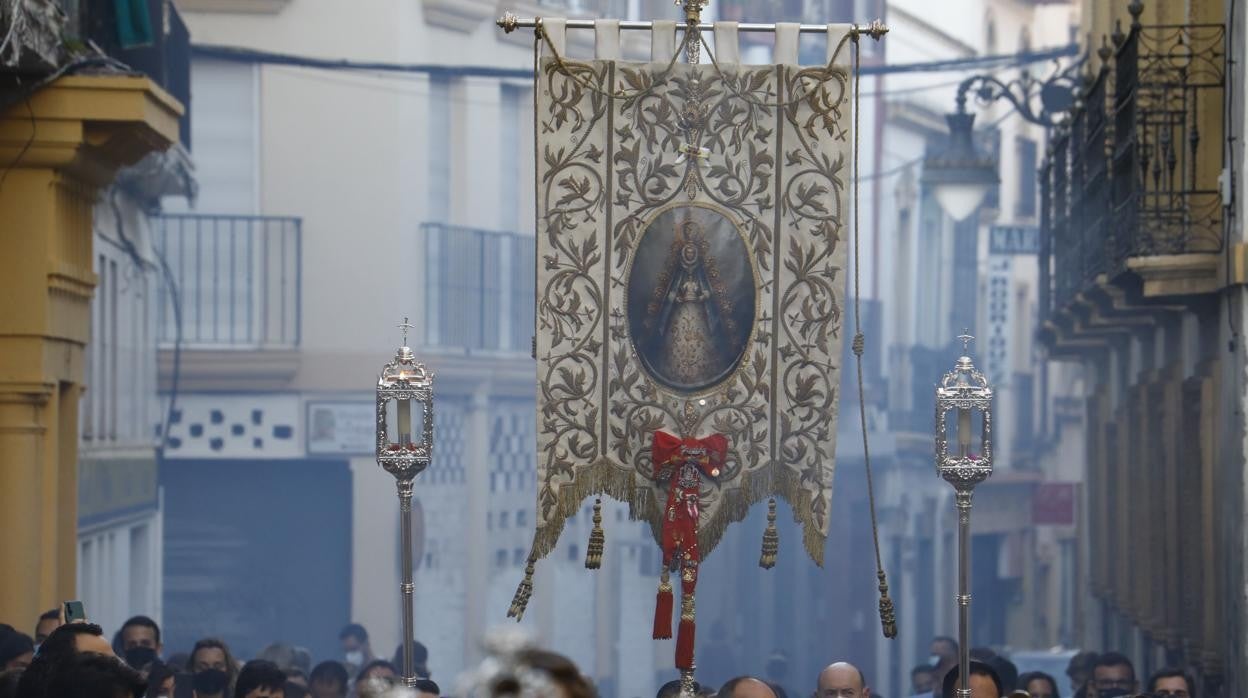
(1013, 239)
(1053, 504)
(341, 427)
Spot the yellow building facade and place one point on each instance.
(1149, 302)
(59, 145)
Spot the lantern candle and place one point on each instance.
(405, 422)
(964, 432)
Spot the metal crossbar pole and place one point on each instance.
(510, 22)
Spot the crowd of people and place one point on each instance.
(76, 660)
(1091, 675)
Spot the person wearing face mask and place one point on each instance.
(355, 648)
(48, 621)
(213, 669)
(140, 643)
(944, 659)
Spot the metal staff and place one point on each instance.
(404, 449)
(509, 22)
(963, 390)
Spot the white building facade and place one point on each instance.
(336, 201)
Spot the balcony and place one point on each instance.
(479, 290)
(236, 291)
(151, 38)
(1131, 212)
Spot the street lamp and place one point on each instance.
(960, 177)
(404, 447)
(964, 391)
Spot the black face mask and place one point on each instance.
(139, 657)
(210, 681)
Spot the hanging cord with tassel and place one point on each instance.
(663, 605)
(524, 592)
(597, 539)
(771, 538)
(888, 618)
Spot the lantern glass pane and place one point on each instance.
(960, 200)
(392, 422)
(405, 422)
(964, 432)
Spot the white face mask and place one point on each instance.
(933, 660)
(355, 657)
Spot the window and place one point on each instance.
(517, 557)
(500, 558)
(522, 518)
(225, 138)
(574, 553)
(1027, 173)
(504, 520)
(439, 154)
(509, 173)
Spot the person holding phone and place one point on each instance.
(58, 652)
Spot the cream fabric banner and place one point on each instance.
(692, 237)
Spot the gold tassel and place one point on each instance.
(524, 592)
(597, 538)
(888, 618)
(771, 538)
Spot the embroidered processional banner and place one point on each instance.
(692, 236)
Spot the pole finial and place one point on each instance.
(405, 326)
(966, 338)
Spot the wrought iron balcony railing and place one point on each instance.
(1133, 173)
(237, 281)
(479, 289)
(1168, 107)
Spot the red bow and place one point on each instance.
(680, 518)
(682, 462)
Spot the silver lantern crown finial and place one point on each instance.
(966, 338)
(404, 413)
(404, 449)
(964, 390)
(405, 326)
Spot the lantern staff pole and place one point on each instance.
(963, 502)
(407, 588)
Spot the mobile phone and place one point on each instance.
(74, 612)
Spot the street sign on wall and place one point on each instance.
(1013, 239)
(1053, 504)
(341, 427)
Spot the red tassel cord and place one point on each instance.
(682, 463)
(663, 604)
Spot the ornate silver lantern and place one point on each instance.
(404, 447)
(964, 391)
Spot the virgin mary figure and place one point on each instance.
(688, 324)
(691, 299)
